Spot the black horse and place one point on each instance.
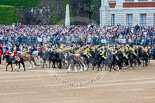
(133, 59)
(11, 60)
(109, 60)
(56, 57)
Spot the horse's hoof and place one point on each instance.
(130, 68)
(80, 70)
(29, 68)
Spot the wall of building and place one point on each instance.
(121, 11)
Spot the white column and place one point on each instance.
(67, 19)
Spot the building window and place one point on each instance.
(112, 19)
(142, 0)
(129, 19)
(129, 0)
(143, 19)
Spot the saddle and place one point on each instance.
(18, 59)
(77, 58)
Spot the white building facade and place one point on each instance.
(127, 12)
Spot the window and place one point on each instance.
(143, 19)
(142, 0)
(112, 19)
(129, 19)
(129, 0)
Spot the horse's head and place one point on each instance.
(4, 56)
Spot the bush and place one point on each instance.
(9, 15)
(24, 3)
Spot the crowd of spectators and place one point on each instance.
(34, 36)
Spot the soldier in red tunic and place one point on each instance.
(7, 52)
(1, 53)
(41, 48)
(15, 52)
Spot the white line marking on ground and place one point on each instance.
(129, 83)
(125, 80)
(115, 84)
(2, 94)
(18, 80)
(27, 76)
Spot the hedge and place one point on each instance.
(24, 3)
(8, 15)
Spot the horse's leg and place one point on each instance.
(43, 64)
(60, 64)
(81, 67)
(30, 65)
(98, 66)
(23, 65)
(130, 64)
(7, 66)
(146, 62)
(19, 66)
(49, 64)
(143, 63)
(110, 67)
(11, 67)
(53, 63)
(33, 63)
(93, 66)
(46, 64)
(39, 60)
(75, 68)
(16, 66)
(69, 68)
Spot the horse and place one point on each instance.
(29, 58)
(145, 58)
(37, 54)
(91, 59)
(99, 60)
(11, 60)
(45, 57)
(133, 59)
(74, 60)
(109, 60)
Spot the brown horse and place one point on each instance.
(29, 58)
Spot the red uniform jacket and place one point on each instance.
(7, 53)
(41, 48)
(15, 53)
(1, 53)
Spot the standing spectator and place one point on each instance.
(1, 53)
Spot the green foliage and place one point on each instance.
(64, 3)
(94, 5)
(8, 15)
(21, 3)
(54, 16)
